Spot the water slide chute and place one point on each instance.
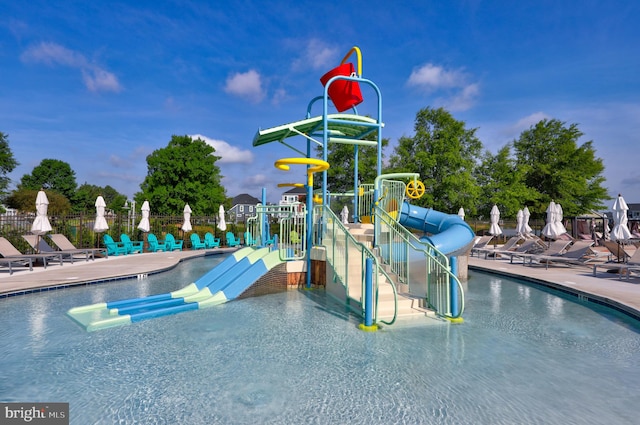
(450, 234)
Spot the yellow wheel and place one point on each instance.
(415, 189)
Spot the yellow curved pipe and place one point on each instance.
(355, 49)
(318, 165)
(290, 184)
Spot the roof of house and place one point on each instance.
(245, 199)
(296, 191)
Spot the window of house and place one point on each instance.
(250, 208)
(241, 208)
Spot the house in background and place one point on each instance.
(634, 211)
(244, 206)
(294, 196)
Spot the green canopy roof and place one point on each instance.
(342, 125)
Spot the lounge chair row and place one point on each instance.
(209, 241)
(126, 246)
(63, 250)
(630, 262)
(534, 250)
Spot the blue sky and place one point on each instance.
(101, 85)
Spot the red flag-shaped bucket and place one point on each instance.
(344, 94)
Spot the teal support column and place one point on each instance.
(309, 234)
(453, 287)
(368, 324)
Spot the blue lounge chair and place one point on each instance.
(271, 240)
(232, 240)
(210, 241)
(196, 243)
(248, 239)
(171, 244)
(154, 244)
(131, 246)
(113, 247)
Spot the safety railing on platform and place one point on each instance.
(365, 202)
(347, 257)
(419, 265)
(293, 225)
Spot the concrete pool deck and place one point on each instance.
(605, 288)
(99, 270)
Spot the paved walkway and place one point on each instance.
(604, 288)
(101, 269)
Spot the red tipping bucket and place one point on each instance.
(344, 94)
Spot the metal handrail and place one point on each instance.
(325, 217)
(396, 251)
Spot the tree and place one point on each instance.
(86, 194)
(25, 200)
(183, 172)
(555, 166)
(444, 153)
(502, 184)
(53, 175)
(7, 164)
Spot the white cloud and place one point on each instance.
(95, 78)
(316, 55)
(461, 93)
(525, 123)
(279, 96)
(247, 85)
(434, 77)
(257, 179)
(227, 152)
(464, 99)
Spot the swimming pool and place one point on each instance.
(523, 355)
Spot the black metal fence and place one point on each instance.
(78, 228)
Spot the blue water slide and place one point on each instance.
(237, 286)
(199, 284)
(234, 275)
(228, 287)
(217, 279)
(450, 234)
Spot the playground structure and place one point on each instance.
(376, 266)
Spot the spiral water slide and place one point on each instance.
(450, 234)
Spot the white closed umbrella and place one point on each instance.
(186, 227)
(222, 224)
(144, 225)
(620, 230)
(549, 229)
(494, 229)
(461, 213)
(100, 224)
(344, 215)
(519, 223)
(559, 217)
(41, 224)
(525, 221)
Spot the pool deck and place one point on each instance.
(605, 288)
(80, 271)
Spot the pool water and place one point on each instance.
(523, 356)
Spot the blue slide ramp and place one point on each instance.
(224, 282)
(450, 234)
